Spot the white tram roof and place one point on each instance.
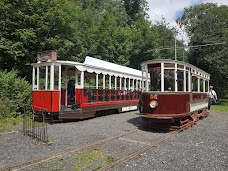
(99, 66)
(111, 67)
(194, 70)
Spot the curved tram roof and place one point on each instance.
(195, 70)
(98, 66)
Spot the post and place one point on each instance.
(175, 48)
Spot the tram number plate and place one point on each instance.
(154, 96)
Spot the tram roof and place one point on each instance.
(174, 61)
(99, 66)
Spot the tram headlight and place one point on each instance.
(153, 104)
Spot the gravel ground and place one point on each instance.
(201, 147)
(16, 148)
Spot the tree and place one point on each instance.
(166, 38)
(30, 26)
(208, 24)
(15, 92)
(135, 9)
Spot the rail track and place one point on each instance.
(137, 153)
(120, 160)
(56, 155)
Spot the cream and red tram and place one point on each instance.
(175, 94)
(73, 90)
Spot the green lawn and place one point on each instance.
(7, 125)
(221, 107)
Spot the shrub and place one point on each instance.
(4, 109)
(15, 92)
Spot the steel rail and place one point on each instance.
(19, 166)
(137, 153)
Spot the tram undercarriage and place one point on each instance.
(172, 121)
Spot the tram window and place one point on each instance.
(187, 86)
(56, 77)
(201, 85)
(206, 86)
(90, 82)
(106, 81)
(167, 65)
(180, 66)
(169, 79)
(79, 83)
(194, 83)
(42, 79)
(155, 79)
(180, 80)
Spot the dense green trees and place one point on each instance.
(207, 24)
(116, 31)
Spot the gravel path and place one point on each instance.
(201, 147)
(16, 148)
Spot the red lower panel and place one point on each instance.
(46, 99)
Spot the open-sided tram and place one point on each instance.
(175, 94)
(73, 90)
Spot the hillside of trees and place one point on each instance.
(117, 31)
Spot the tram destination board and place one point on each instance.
(47, 55)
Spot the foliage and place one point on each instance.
(14, 93)
(135, 9)
(7, 125)
(32, 26)
(208, 24)
(4, 108)
(98, 28)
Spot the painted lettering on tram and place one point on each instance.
(154, 96)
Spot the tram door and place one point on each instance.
(68, 89)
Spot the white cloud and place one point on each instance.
(169, 9)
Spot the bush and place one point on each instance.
(4, 109)
(15, 92)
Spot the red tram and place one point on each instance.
(73, 90)
(175, 94)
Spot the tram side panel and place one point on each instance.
(199, 101)
(48, 100)
(165, 103)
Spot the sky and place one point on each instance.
(170, 10)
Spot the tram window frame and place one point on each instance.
(187, 80)
(155, 79)
(89, 80)
(179, 80)
(42, 80)
(206, 85)
(170, 81)
(169, 65)
(179, 66)
(56, 77)
(201, 85)
(194, 83)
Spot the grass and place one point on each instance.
(6, 125)
(89, 159)
(221, 107)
